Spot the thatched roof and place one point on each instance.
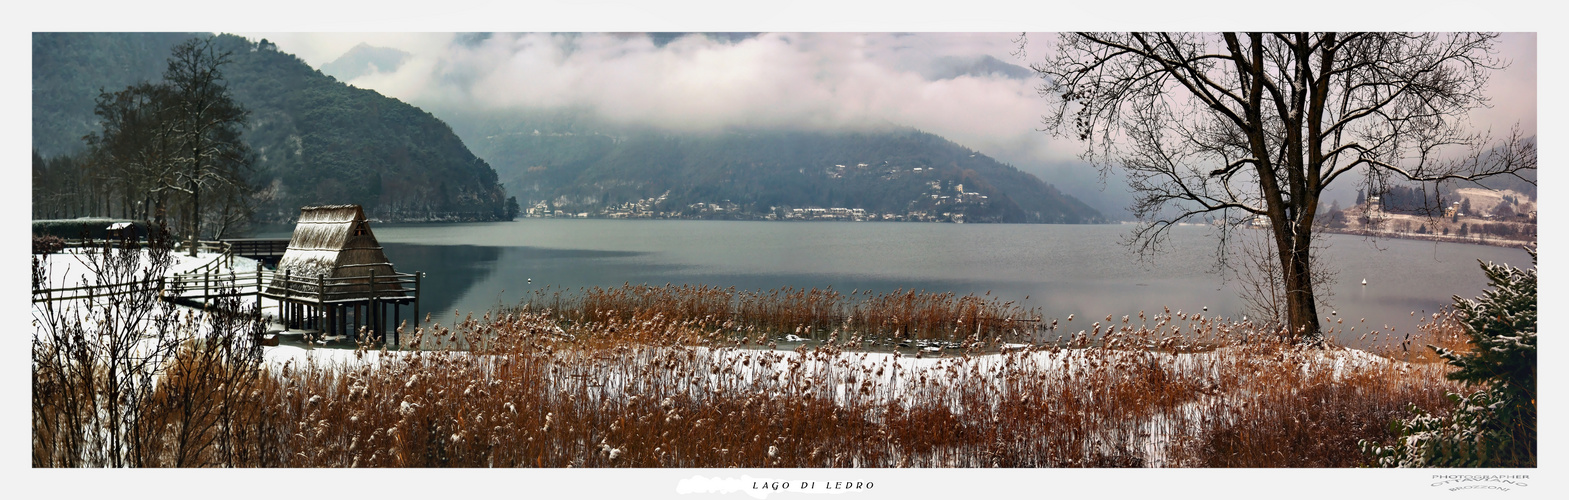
(334, 241)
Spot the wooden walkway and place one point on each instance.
(261, 249)
(331, 306)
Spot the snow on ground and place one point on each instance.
(70, 267)
(278, 356)
(897, 377)
(73, 268)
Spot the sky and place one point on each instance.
(799, 80)
(813, 80)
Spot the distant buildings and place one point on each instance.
(937, 204)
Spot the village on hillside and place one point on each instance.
(938, 203)
(1479, 216)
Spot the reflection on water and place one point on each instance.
(449, 270)
(458, 278)
(1060, 269)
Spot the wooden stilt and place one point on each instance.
(375, 313)
(321, 302)
(288, 285)
(258, 290)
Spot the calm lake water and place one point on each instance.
(1060, 269)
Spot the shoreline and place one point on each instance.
(1493, 242)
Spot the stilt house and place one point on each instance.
(334, 277)
(333, 245)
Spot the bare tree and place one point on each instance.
(1230, 127)
(137, 147)
(95, 360)
(122, 377)
(209, 123)
(1261, 286)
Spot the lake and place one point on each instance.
(1060, 269)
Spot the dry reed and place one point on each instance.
(688, 377)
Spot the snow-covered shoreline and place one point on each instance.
(1207, 383)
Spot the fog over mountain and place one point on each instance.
(972, 88)
(363, 60)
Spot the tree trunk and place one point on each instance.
(196, 214)
(1301, 311)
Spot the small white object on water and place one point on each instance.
(1364, 281)
(531, 280)
(793, 338)
(1206, 308)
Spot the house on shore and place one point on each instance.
(334, 276)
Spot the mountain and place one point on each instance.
(70, 68)
(1525, 183)
(363, 60)
(980, 67)
(662, 38)
(570, 161)
(316, 140)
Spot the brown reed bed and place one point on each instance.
(815, 314)
(678, 377)
(680, 395)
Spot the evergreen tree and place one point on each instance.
(1496, 425)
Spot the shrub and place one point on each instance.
(44, 245)
(1496, 425)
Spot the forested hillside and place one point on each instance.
(571, 161)
(315, 140)
(70, 68)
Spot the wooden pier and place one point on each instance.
(268, 250)
(331, 277)
(330, 306)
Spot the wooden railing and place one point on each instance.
(221, 248)
(217, 265)
(257, 247)
(94, 291)
(321, 289)
(395, 287)
(312, 301)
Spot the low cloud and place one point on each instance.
(802, 80)
(793, 80)
(695, 82)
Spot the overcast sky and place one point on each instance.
(814, 80)
(796, 80)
